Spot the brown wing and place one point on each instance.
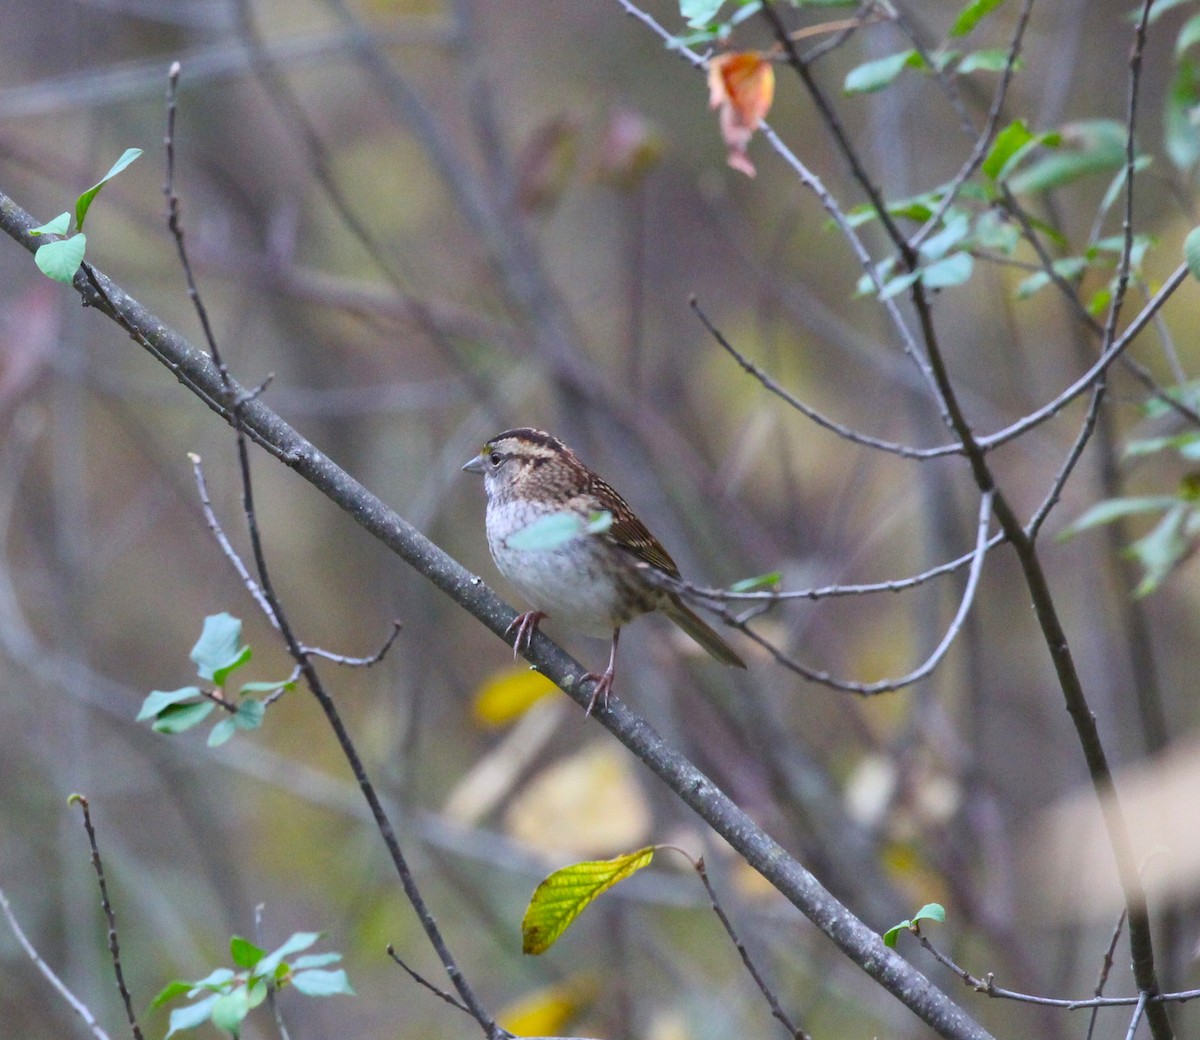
(630, 533)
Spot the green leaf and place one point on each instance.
(266, 687)
(895, 286)
(1013, 137)
(699, 13)
(60, 260)
(192, 1016)
(877, 74)
(1187, 444)
(219, 649)
(1160, 550)
(257, 992)
(58, 226)
(971, 15)
(956, 227)
(244, 953)
(315, 960)
(565, 894)
(217, 980)
(991, 59)
(318, 983)
(954, 269)
(1188, 36)
(929, 912)
(229, 1011)
(556, 529)
(221, 732)
(84, 201)
(761, 581)
(993, 230)
(293, 944)
(159, 699)
(1180, 133)
(1068, 267)
(1115, 509)
(170, 991)
(1191, 251)
(179, 717)
(1089, 146)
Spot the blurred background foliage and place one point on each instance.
(430, 222)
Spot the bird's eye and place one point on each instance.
(495, 459)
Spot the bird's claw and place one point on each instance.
(525, 625)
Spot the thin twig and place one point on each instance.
(114, 946)
(227, 548)
(776, 1009)
(931, 662)
(449, 998)
(1105, 967)
(76, 1005)
(357, 662)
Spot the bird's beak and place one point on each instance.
(475, 465)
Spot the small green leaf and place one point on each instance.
(1180, 133)
(315, 960)
(170, 991)
(85, 200)
(956, 226)
(216, 980)
(318, 983)
(244, 953)
(971, 15)
(565, 894)
(1115, 509)
(293, 944)
(176, 718)
(599, 522)
(699, 13)
(548, 532)
(265, 687)
(60, 260)
(880, 73)
(219, 649)
(1089, 146)
(895, 286)
(949, 271)
(58, 226)
(1160, 550)
(250, 714)
(929, 912)
(761, 581)
(1013, 137)
(992, 59)
(192, 1016)
(1191, 251)
(1188, 36)
(221, 732)
(159, 699)
(257, 992)
(229, 1011)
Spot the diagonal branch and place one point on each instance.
(196, 370)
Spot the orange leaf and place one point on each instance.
(742, 86)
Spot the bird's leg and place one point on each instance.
(603, 682)
(525, 624)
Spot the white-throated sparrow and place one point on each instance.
(594, 575)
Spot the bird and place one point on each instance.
(574, 549)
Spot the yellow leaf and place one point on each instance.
(565, 894)
(507, 695)
(549, 1010)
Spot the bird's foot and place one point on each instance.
(525, 625)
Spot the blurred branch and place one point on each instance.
(196, 370)
(77, 1005)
